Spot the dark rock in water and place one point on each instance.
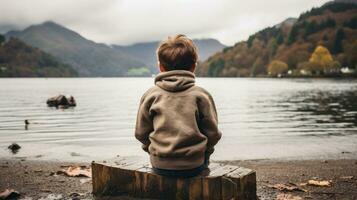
(27, 123)
(14, 148)
(72, 101)
(61, 101)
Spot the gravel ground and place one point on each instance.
(37, 179)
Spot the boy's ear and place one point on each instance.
(193, 67)
(162, 68)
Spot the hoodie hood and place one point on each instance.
(175, 81)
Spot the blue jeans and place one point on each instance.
(187, 173)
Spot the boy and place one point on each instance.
(177, 121)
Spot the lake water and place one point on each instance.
(259, 118)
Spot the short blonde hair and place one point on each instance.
(177, 53)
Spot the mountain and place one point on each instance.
(87, 57)
(344, 1)
(289, 22)
(18, 59)
(331, 29)
(146, 52)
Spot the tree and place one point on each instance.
(277, 67)
(258, 64)
(333, 67)
(321, 56)
(272, 47)
(293, 34)
(337, 45)
(310, 28)
(216, 67)
(280, 39)
(351, 54)
(309, 67)
(250, 40)
(352, 23)
(329, 23)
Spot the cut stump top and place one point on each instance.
(134, 176)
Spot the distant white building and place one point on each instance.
(304, 72)
(346, 70)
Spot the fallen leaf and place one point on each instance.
(85, 180)
(76, 171)
(283, 196)
(287, 187)
(9, 194)
(346, 177)
(46, 190)
(319, 183)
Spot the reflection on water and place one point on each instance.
(329, 109)
(259, 118)
(338, 108)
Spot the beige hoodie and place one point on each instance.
(177, 122)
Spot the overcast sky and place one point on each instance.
(130, 21)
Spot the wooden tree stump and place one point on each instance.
(134, 177)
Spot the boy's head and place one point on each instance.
(177, 53)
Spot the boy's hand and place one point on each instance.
(145, 147)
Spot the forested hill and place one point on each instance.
(292, 46)
(87, 57)
(18, 59)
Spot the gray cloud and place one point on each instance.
(129, 21)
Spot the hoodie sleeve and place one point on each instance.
(144, 123)
(208, 121)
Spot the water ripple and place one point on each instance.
(257, 114)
